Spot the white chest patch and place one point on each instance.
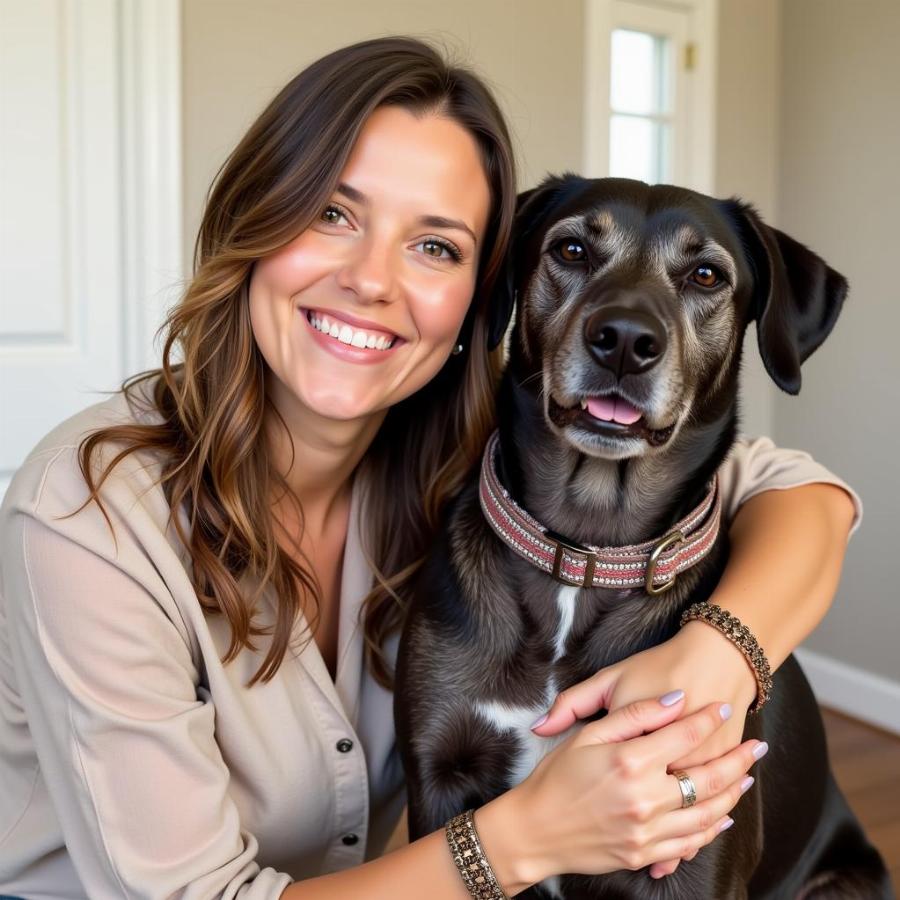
(518, 719)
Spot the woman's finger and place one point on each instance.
(708, 781)
(684, 846)
(713, 777)
(660, 870)
(701, 816)
(632, 721)
(577, 702)
(679, 738)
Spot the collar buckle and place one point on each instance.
(563, 544)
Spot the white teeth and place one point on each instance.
(584, 404)
(348, 335)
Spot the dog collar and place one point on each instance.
(653, 565)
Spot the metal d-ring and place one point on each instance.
(669, 540)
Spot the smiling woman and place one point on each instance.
(369, 255)
(205, 576)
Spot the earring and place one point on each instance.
(457, 349)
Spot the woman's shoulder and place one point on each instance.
(50, 478)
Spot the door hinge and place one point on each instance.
(690, 56)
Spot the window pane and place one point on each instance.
(636, 77)
(639, 148)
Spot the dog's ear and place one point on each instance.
(531, 207)
(797, 296)
(503, 299)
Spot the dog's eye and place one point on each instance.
(706, 276)
(572, 251)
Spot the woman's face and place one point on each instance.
(363, 308)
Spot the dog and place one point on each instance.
(618, 404)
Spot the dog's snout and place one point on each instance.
(627, 341)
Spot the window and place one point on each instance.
(641, 121)
(649, 90)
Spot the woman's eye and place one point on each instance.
(332, 215)
(439, 250)
(571, 251)
(706, 276)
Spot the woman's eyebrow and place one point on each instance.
(442, 222)
(351, 193)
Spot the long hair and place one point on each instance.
(211, 406)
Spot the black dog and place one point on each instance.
(617, 407)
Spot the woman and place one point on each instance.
(169, 727)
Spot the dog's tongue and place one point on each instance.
(613, 409)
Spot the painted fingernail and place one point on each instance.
(671, 698)
(541, 720)
(760, 750)
(726, 824)
(745, 784)
(725, 710)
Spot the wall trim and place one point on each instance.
(863, 695)
(151, 107)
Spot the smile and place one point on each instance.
(348, 334)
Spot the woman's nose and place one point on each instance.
(368, 271)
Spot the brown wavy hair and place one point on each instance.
(210, 408)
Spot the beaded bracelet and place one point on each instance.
(741, 636)
(476, 871)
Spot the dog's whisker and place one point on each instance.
(531, 377)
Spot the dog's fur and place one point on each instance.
(490, 639)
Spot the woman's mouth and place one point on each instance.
(348, 334)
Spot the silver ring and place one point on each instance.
(688, 789)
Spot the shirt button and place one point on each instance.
(349, 839)
(344, 745)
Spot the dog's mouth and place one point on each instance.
(611, 416)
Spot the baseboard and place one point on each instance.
(864, 695)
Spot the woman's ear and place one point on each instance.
(797, 296)
(532, 207)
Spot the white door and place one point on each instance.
(89, 203)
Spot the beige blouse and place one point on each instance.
(132, 762)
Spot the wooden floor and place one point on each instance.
(866, 764)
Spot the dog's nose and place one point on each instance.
(627, 341)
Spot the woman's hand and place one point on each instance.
(699, 659)
(621, 810)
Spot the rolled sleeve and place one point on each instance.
(756, 465)
(123, 729)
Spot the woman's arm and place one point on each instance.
(621, 811)
(787, 551)
(789, 520)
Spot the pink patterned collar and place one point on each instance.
(652, 565)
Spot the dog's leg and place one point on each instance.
(848, 867)
(453, 763)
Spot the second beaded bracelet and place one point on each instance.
(741, 636)
(473, 866)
